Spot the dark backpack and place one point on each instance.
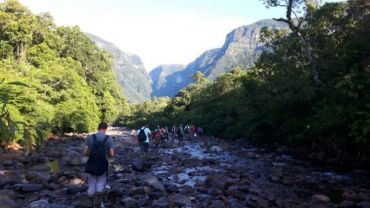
(97, 164)
(142, 135)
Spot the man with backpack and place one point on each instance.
(98, 147)
(143, 135)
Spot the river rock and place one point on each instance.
(215, 149)
(216, 180)
(161, 202)
(141, 165)
(321, 198)
(180, 200)
(129, 202)
(364, 204)
(40, 204)
(6, 202)
(78, 161)
(53, 152)
(36, 177)
(29, 187)
(154, 183)
(217, 204)
(76, 189)
(234, 192)
(347, 204)
(137, 191)
(44, 167)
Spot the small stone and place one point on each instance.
(216, 149)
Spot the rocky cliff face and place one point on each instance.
(241, 48)
(160, 76)
(131, 75)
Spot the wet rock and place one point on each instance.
(321, 198)
(137, 191)
(129, 202)
(6, 202)
(172, 188)
(346, 204)
(36, 177)
(157, 194)
(83, 202)
(40, 204)
(215, 149)
(364, 204)
(40, 168)
(216, 180)
(29, 187)
(76, 189)
(217, 204)
(180, 200)
(78, 161)
(154, 183)
(7, 163)
(234, 192)
(76, 181)
(141, 165)
(214, 191)
(161, 202)
(53, 152)
(11, 178)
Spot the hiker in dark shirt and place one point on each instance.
(97, 182)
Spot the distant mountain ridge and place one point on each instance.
(131, 75)
(241, 48)
(159, 76)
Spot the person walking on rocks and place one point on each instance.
(143, 135)
(98, 147)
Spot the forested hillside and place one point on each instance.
(52, 79)
(131, 75)
(310, 90)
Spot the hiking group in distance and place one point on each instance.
(100, 146)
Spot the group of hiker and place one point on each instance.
(100, 146)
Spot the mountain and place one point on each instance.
(241, 48)
(159, 76)
(131, 75)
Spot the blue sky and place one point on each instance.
(159, 31)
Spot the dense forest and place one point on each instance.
(310, 90)
(52, 79)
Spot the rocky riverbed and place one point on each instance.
(202, 173)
